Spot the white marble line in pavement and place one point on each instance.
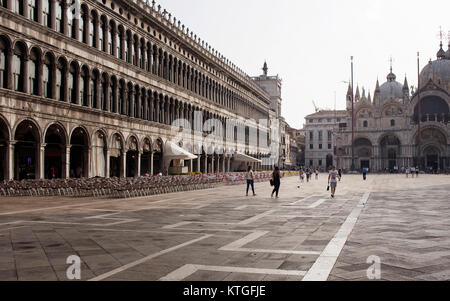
(321, 269)
(255, 218)
(317, 203)
(237, 246)
(189, 269)
(142, 260)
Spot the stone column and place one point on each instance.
(223, 163)
(139, 164)
(125, 99)
(107, 166)
(66, 170)
(151, 164)
(145, 106)
(198, 164)
(212, 163)
(218, 164)
(122, 46)
(10, 162)
(107, 92)
(123, 169)
(41, 158)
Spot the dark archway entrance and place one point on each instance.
(55, 149)
(4, 140)
(26, 151)
(146, 157)
(79, 154)
(115, 156)
(390, 152)
(132, 158)
(432, 156)
(157, 156)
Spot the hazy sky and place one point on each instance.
(309, 43)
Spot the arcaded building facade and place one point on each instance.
(93, 91)
(387, 126)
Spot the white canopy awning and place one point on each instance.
(174, 152)
(245, 158)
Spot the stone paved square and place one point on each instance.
(221, 235)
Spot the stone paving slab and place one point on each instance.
(405, 223)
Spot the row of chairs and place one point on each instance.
(122, 187)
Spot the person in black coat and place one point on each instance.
(276, 178)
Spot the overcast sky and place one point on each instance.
(309, 43)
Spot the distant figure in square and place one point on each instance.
(250, 180)
(332, 181)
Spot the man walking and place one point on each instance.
(364, 170)
(250, 180)
(332, 181)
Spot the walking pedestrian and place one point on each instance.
(308, 174)
(417, 171)
(340, 174)
(250, 180)
(276, 178)
(364, 170)
(332, 181)
(407, 171)
(317, 173)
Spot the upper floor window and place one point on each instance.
(92, 32)
(46, 13)
(32, 11)
(17, 6)
(320, 135)
(365, 124)
(59, 12)
(2, 66)
(330, 133)
(392, 122)
(311, 135)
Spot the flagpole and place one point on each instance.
(419, 111)
(353, 123)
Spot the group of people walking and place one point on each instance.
(275, 181)
(411, 170)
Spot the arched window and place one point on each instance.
(72, 82)
(84, 87)
(143, 57)
(92, 31)
(71, 21)
(58, 16)
(17, 68)
(101, 36)
(93, 90)
(365, 123)
(17, 6)
(81, 28)
(127, 49)
(121, 97)
(110, 40)
(103, 90)
(32, 10)
(46, 18)
(135, 51)
(60, 81)
(112, 92)
(3, 71)
(47, 70)
(119, 38)
(33, 74)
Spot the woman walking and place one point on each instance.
(276, 181)
(250, 180)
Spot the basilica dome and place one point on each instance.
(438, 71)
(391, 88)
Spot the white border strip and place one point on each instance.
(321, 269)
(142, 260)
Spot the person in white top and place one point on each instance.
(250, 180)
(332, 180)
